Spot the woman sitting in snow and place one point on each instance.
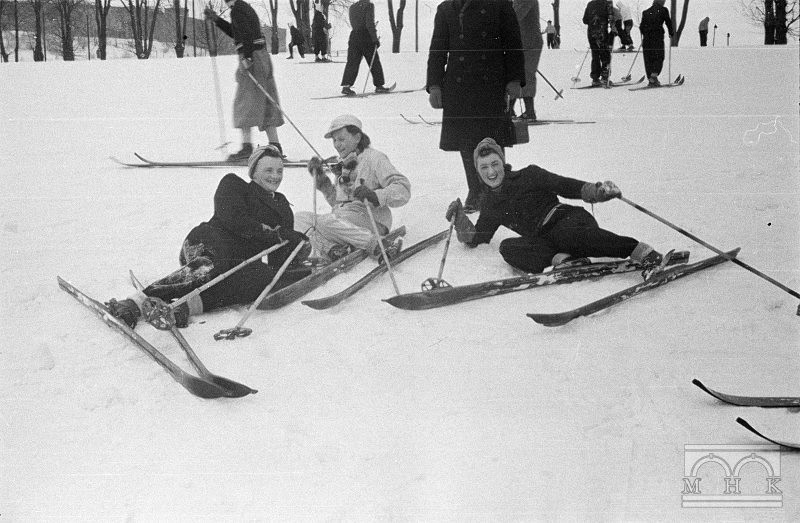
(248, 218)
(364, 176)
(551, 233)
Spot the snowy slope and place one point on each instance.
(366, 411)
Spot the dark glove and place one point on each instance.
(454, 209)
(513, 88)
(246, 63)
(292, 236)
(210, 14)
(363, 192)
(600, 192)
(377, 44)
(435, 97)
(465, 230)
(315, 165)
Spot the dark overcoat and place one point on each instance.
(475, 51)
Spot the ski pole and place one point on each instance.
(224, 275)
(380, 244)
(211, 41)
(369, 71)
(438, 282)
(558, 93)
(273, 102)
(628, 76)
(669, 60)
(238, 331)
(577, 78)
(711, 247)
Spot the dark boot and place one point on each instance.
(125, 310)
(242, 154)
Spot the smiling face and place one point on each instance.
(268, 173)
(491, 170)
(345, 142)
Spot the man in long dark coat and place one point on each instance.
(652, 27)
(475, 59)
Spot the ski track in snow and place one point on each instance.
(365, 411)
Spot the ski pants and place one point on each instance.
(601, 58)
(574, 231)
(703, 38)
(653, 55)
(358, 48)
(341, 227)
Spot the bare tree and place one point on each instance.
(141, 25)
(679, 26)
(3, 53)
(777, 17)
(180, 27)
(101, 8)
(38, 9)
(557, 22)
(397, 24)
(16, 31)
(65, 9)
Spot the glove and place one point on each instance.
(315, 165)
(291, 236)
(210, 14)
(246, 63)
(271, 234)
(600, 192)
(454, 209)
(363, 192)
(377, 44)
(513, 88)
(435, 97)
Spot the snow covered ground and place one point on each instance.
(369, 412)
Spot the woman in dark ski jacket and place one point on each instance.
(526, 201)
(248, 218)
(475, 58)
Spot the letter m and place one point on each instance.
(691, 486)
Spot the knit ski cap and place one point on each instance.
(341, 122)
(488, 143)
(260, 152)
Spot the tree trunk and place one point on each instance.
(780, 22)
(557, 22)
(682, 23)
(274, 40)
(179, 42)
(65, 8)
(16, 31)
(101, 8)
(3, 53)
(769, 22)
(38, 54)
(396, 24)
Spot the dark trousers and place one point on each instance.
(551, 40)
(653, 55)
(356, 50)
(703, 38)
(299, 49)
(575, 232)
(601, 58)
(626, 33)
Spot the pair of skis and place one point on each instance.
(392, 89)
(206, 385)
(675, 83)
(422, 119)
(144, 162)
(768, 402)
(610, 84)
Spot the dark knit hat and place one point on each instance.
(487, 143)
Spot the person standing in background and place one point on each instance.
(319, 33)
(363, 43)
(703, 30)
(527, 12)
(652, 27)
(251, 108)
(296, 40)
(624, 26)
(551, 35)
(596, 17)
(475, 61)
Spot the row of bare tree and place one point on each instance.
(778, 17)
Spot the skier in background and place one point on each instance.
(363, 43)
(703, 30)
(652, 27)
(551, 232)
(251, 108)
(624, 25)
(596, 18)
(296, 40)
(551, 35)
(319, 32)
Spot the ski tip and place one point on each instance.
(546, 320)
